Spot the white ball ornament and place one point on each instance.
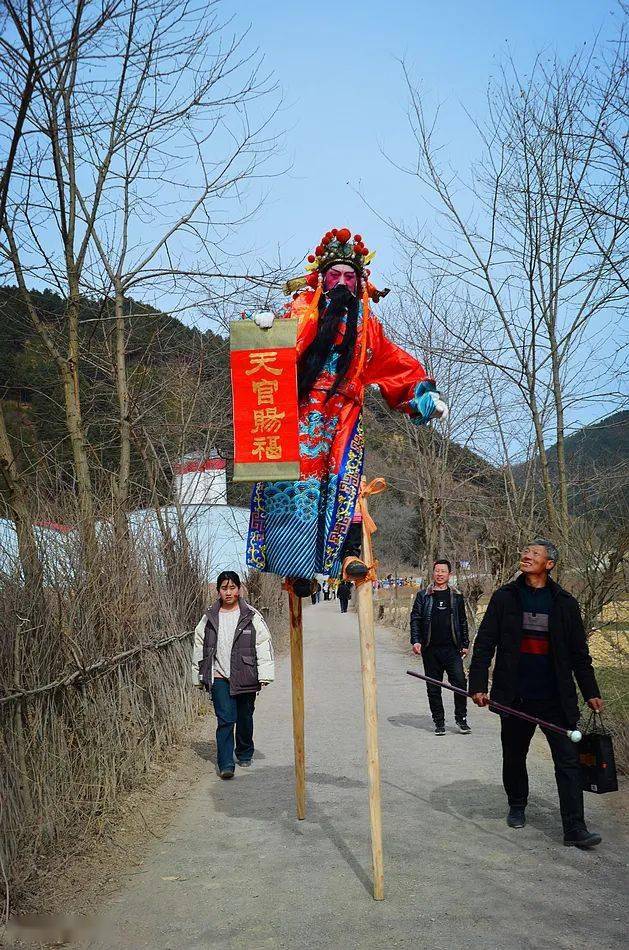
(575, 735)
(264, 319)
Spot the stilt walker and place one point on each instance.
(305, 449)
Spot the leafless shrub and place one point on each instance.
(133, 130)
(95, 682)
(265, 592)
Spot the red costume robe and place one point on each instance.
(298, 528)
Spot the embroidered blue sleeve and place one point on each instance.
(422, 405)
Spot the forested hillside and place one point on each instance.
(597, 457)
(180, 399)
(178, 382)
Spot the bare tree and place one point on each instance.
(203, 107)
(42, 196)
(140, 128)
(140, 143)
(540, 279)
(436, 467)
(531, 261)
(27, 62)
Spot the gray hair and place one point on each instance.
(551, 548)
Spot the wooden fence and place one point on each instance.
(71, 746)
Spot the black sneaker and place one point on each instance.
(516, 817)
(440, 729)
(244, 763)
(582, 839)
(463, 726)
(226, 773)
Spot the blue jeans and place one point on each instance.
(232, 711)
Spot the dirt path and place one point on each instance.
(236, 870)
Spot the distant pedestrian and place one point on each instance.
(344, 594)
(236, 661)
(534, 628)
(439, 634)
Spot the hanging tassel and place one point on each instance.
(363, 333)
(312, 312)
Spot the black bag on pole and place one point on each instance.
(596, 757)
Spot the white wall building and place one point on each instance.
(200, 480)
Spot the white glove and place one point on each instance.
(263, 318)
(441, 410)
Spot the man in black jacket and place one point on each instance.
(535, 629)
(439, 634)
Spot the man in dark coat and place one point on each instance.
(535, 629)
(439, 634)
(344, 594)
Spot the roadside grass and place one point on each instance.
(614, 683)
(614, 686)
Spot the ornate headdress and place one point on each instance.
(337, 247)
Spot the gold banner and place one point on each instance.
(264, 399)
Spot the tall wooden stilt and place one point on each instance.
(368, 668)
(297, 678)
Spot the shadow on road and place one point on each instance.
(267, 794)
(338, 781)
(410, 719)
(329, 829)
(480, 802)
(207, 751)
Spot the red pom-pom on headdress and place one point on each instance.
(336, 247)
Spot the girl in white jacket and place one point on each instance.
(234, 653)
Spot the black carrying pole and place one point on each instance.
(498, 706)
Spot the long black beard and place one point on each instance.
(341, 303)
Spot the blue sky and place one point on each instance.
(344, 100)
